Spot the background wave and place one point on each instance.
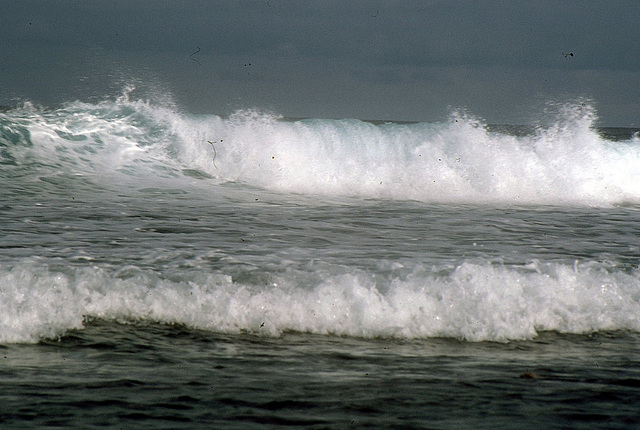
(462, 160)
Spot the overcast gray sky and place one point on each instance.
(403, 60)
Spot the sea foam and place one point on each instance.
(472, 301)
(458, 161)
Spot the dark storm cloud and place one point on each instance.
(405, 60)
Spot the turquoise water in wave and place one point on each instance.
(167, 270)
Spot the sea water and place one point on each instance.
(160, 269)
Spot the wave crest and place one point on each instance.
(462, 160)
(472, 301)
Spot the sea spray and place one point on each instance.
(458, 161)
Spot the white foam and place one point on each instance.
(476, 302)
(459, 161)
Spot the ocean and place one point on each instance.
(168, 270)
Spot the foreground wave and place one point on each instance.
(475, 302)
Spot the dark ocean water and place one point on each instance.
(160, 376)
(166, 270)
